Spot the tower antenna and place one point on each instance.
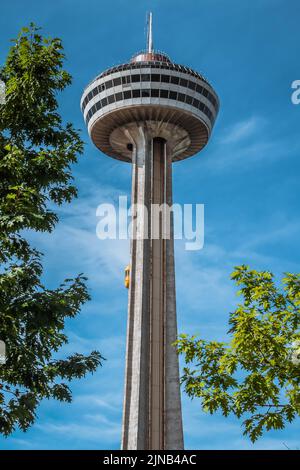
(149, 34)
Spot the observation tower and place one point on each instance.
(151, 112)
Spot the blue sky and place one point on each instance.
(247, 177)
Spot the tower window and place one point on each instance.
(212, 99)
(135, 78)
(126, 79)
(154, 93)
(127, 95)
(117, 81)
(175, 80)
(164, 93)
(183, 82)
(155, 77)
(136, 93)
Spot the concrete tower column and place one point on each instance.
(152, 407)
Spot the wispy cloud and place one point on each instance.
(247, 144)
(241, 130)
(74, 241)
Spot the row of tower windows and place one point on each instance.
(153, 77)
(153, 93)
(152, 64)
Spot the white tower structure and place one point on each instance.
(151, 112)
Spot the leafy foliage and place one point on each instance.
(36, 154)
(257, 374)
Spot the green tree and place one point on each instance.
(36, 154)
(256, 376)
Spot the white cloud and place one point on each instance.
(108, 401)
(245, 144)
(74, 246)
(242, 130)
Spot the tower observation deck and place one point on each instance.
(151, 112)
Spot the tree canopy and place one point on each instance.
(255, 376)
(37, 151)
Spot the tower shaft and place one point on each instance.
(152, 406)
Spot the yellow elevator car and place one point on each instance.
(127, 277)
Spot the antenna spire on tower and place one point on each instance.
(149, 34)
